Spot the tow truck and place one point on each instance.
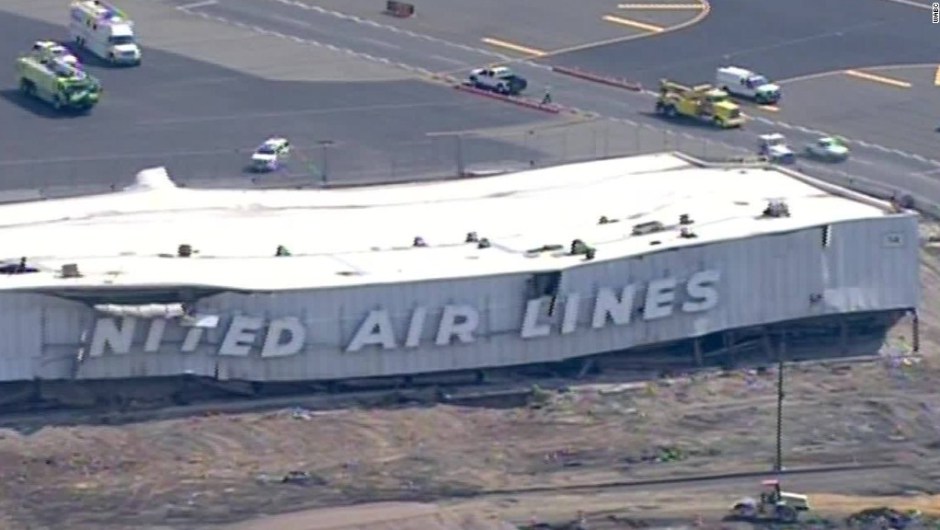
(500, 79)
(55, 81)
(701, 102)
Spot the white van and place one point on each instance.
(744, 83)
(104, 30)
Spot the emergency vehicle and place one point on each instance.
(47, 49)
(743, 83)
(55, 81)
(105, 31)
(270, 155)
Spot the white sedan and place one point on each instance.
(270, 154)
(49, 49)
(828, 148)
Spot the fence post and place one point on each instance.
(325, 162)
(461, 169)
(606, 138)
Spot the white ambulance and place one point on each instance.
(104, 30)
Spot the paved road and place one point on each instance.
(782, 39)
(202, 121)
(893, 168)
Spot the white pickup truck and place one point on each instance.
(501, 80)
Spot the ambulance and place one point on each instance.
(105, 31)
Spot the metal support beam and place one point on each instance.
(697, 351)
(915, 332)
(778, 461)
(843, 335)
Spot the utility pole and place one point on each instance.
(778, 462)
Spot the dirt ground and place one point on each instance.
(218, 469)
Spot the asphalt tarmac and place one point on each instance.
(202, 121)
(399, 146)
(780, 39)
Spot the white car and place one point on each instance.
(270, 154)
(774, 147)
(50, 49)
(829, 149)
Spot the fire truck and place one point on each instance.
(55, 81)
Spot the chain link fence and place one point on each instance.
(435, 156)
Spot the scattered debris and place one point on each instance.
(883, 517)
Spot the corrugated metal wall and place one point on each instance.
(860, 266)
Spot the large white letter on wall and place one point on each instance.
(619, 309)
(376, 330)
(702, 290)
(531, 327)
(660, 297)
(241, 335)
(275, 346)
(109, 334)
(458, 321)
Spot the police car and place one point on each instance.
(270, 155)
(53, 50)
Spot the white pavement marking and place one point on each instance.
(196, 5)
(422, 36)
(331, 47)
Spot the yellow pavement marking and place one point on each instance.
(633, 24)
(513, 47)
(663, 7)
(877, 78)
(769, 108)
(936, 77)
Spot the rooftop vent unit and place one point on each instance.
(604, 220)
(70, 270)
(472, 237)
(578, 247)
(483, 243)
(184, 251)
(281, 251)
(687, 233)
(684, 219)
(777, 208)
(650, 227)
(419, 242)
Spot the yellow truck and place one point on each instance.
(701, 102)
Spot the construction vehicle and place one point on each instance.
(773, 504)
(701, 102)
(55, 81)
(105, 31)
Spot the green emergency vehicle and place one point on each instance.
(58, 83)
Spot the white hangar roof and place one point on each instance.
(351, 236)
